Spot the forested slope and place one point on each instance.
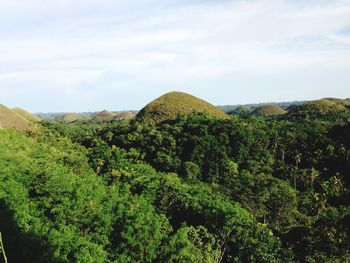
(192, 189)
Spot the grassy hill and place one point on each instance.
(284, 105)
(72, 116)
(25, 114)
(88, 116)
(10, 119)
(323, 108)
(104, 116)
(124, 115)
(268, 110)
(171, 104)
(345, 102)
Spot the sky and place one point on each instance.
(89, 55)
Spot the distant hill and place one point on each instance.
(284, 105)
(86, 116)
(108, 115)
(25, 114)
(124, 115)
(72, 116)
(104, 116)
(171, 104)
(268, 110)
(345, 102)
(323, 108)
(10, 119)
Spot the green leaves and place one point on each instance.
(137, 232)
(193, 189)
(191, 244)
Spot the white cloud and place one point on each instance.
(135, 50)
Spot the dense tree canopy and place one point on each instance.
(192, 189)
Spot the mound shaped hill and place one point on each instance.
(171, 104)
(323, 108)
(104, 116)
(124, 115)
(25, 114)
(72, 116)
(10, 119)
(268, 110)
(345, 102)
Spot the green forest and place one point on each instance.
(192, 188)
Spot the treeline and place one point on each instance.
(193, 189)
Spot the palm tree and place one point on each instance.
(297, 161)
(2, 250)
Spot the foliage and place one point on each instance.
(327, 109)
(192, 188)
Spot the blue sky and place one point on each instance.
(86, 55)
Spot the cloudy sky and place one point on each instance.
(88, 55)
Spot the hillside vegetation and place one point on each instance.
(173, 104)
(323, 108)
(191, 188)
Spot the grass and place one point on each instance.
(26, 115)
(171, 104)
